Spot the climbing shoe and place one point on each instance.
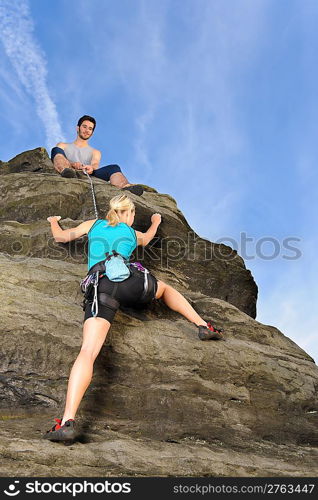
(68, 172)
(60, 432)
(209, 332)
(135, 189)
(80, 174)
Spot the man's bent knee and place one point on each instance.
(118, 180)
(57, 151)
(105, 173)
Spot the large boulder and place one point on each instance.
(35, 160)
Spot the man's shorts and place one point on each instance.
(128, 293)
(103, 173)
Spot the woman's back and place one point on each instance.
(103, 239)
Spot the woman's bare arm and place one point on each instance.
(144, 238)
(64, 235)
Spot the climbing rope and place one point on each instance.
(93, 194)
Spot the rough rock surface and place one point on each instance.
(161, 402)
(26, 198)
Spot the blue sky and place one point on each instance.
(211, 101)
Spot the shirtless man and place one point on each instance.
(70, 159)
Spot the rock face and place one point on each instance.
(27, 198)
(161, 402)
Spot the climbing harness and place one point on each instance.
(89, 286)
(95, 299)
(139, 267)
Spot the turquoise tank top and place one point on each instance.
(103, 238)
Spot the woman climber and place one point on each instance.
(104, 236)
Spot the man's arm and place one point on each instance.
(96, 159)
(64, 235)
(94, 162)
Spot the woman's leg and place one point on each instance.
(177, 302)
(94, 335)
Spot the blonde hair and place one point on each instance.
(117, 205)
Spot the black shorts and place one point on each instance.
(128, 293)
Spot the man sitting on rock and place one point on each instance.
(70, 159)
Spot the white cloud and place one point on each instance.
(29, 62)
